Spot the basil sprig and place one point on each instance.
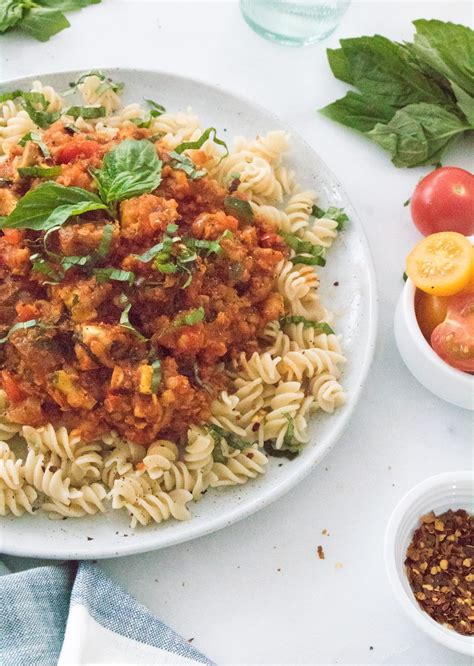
(35, 104)
(130, 169)
(195, 145)
(415, 99)
(86, 112)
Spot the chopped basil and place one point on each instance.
(128, 170)
(39, 172)
(156, 377)
(50, 205)
(156, 109)
(106, 83)
(86, 112)
(332, 213)
(320, 326)
(195, 145)
(40, 265)
(41, 116)
(305, 251)
(184, 163)
(35, 138)
(190, 318)
(21, 325)
(217, 433)
(104, 274)
(238, 207)
(289, 453)
(124, 317)
(106, 241)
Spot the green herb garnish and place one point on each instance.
(105, 84)
(50, 205)
(238, 207)
(86, 112)
(195, 145)
(105, 274)
(21, 325)
(184, 163)
(415, 98)
(305, 251)
(190, 318)
(217, 433)
(156, 377)
(39, 172)
(319, 326)
(130, 169)
(35, 138)
(124, 317)
(332, 213)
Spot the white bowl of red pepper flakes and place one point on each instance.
(429, 555)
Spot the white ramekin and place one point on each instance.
(429, 369)
(452, 490)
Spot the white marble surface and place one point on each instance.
(257, 592)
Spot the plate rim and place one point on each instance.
(251, 505)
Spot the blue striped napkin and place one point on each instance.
(74, 614)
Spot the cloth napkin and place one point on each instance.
(74, 614)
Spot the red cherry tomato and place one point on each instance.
(430, 311)
(12, 389)
(80, 148)
(444, 201)
(453, 340)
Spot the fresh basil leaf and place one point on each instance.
(50, 205)
(332, 213)
(106, 83)
(465, 102)
(71, 261)
(448, 48)
(358, 111)
(21, 325)
(12, 94)
(124, 317)
(379, 68)
(40, 265)
(130, 169)
(86, 112)
(319, 326)
(106, 274)
(39, 172)
(184, 163)
(195, 145)
(339, 65)
(156, 377)
(149, 254)
(238, 207)
(418, 134)
(43, 23)
(35, 138)
(289, 453)
(11, 12)
(190, 318)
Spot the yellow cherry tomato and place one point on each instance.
(441, 264)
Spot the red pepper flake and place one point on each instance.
(440, 568)
(321, 554)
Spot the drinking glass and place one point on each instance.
(294, 22)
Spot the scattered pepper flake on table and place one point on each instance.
(439, 566)
(321, 554)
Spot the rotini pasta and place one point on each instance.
(251, 231)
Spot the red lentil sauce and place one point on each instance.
(80, 367)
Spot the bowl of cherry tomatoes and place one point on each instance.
(434, 319)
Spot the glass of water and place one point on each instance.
(294, 22)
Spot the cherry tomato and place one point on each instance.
(12, 389)
(453, 340)
(444, 201)
(79, 148)
(430, 311)
(441, 264)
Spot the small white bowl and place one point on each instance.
(452, 490)
(426, 366)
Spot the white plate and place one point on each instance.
(354, 302)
